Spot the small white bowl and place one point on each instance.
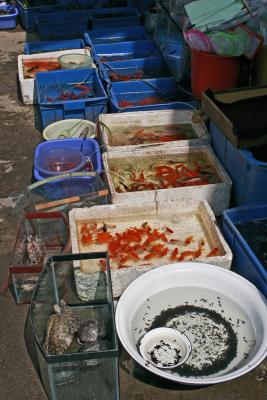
(70, 128)
(168, 346)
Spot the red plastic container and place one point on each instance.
(210, 71)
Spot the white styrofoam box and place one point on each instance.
(217, 194)
(183, 217)
(27, 84)
(117, 127)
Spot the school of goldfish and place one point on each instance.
(147, 101)
(32, 67)
(79, 91)
(162, 176)
(143, 245)
(171, 133)
(116, 77)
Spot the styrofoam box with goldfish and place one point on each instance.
(139, 237)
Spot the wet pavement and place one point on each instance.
(18, 377)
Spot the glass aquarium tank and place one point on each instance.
(76, 340)
(63, 192)
(39, 235)
(168, 35)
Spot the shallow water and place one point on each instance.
(124, 74)
(121, 135)
(213, 340)
(255, 234)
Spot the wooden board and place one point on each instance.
(223, 123)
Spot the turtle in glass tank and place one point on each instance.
(60, 329)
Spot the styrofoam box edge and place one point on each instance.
(217, 194)
(148, 118)
(123, 277)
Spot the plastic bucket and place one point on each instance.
(210, 71)
(56, 161)
(70, 128)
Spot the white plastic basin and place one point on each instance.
(224, 293)
(70, 128)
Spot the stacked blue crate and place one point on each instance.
(27, 15)
(144, 68)
(124, 51)
(114, 35)
(149, 95)
(66, 94)
(59, 25)
(114, 17)
(249, 175)
(245, 261)
(53, 45)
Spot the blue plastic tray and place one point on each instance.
(8, 21)
(48, 87)
(136, 91)
(245, 262)
(27, 16)
(114, 17)
(144, 68)
(53, 45)
(249, 176)
(70, 24)
(90, 149)
(124, 51)
(115, 35)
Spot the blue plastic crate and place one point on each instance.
(8, 21)
(90, 149)
(124, 51)
(27, 15)
(70, 24)
(249, 176)
(173, 55)
(114, 17)
(245, 262)
(144, 68)
(50, 84)
(53, 45)
(133, 92)
(88, 4)
(141, 4)
(115, 35)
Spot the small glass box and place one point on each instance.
(84, 366)
(39, 234)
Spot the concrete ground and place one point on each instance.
(18, 378)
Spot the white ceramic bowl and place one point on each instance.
(227, 294)
(70, 128)
(170, 347)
